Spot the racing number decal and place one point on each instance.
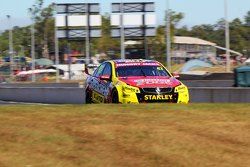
(100, 90)
(97, 97)
(103, 88)
(104, 85)
(100, 87)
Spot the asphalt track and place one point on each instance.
(7, 103)
(18, 103)
(189, 83)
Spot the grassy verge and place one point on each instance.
(125, 135)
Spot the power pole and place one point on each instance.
(122, 31)
(144, 33)
(69, 59)
(227, 37)
(11, 52)
(168, 37)
(56, 50)
(87, 40)
(32, 29)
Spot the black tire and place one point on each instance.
(88, 97)
(115, 98)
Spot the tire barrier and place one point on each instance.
(43, 95)
(208, 83)
(219, 95)
(77, 95)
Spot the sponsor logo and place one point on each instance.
(129, 89)
(158, 97)
(97, 97)
(126, 64)
(158, 90)
(180, 89)
(152, 81)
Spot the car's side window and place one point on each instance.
(94, 73)
(107, 70)
(99, 70)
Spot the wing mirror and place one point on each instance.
(176, 75)
(86, 70)
(90, 68)
(105, 78)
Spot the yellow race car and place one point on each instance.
(134, 81)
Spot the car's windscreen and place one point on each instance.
(128, 71)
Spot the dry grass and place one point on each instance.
(214, 69)
(125, 135)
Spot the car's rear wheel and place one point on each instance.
(88, 97)
(115, 98)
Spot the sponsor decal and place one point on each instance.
(180, 89)
(152, 81)
(158, 97)
(97, 97)
(136, 64)
(129, 89)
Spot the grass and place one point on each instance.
(125, 135)
(214, 69)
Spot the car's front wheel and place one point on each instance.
(115, 98)
(88, 97)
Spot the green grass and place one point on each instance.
(125, 135)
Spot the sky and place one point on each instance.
(196, 12)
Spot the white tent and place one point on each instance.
(77, 71)
(73, 67)
(38, 71)
(192, 41)
(247, 61)
(132, 43)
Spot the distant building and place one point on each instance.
(185, 48)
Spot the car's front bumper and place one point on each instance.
(172, 95)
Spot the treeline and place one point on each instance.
(44, 34)
(239, 33)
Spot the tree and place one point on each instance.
(247, 18)
(239, 33)
(43, 18)
(247, 34)
(106, 42)
(204, 31)
(183, 31)
(175, 18)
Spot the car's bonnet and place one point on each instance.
(150, 81)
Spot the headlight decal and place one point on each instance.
(180, 88)
(130, 89)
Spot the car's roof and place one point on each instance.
(133, 61)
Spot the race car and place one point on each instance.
(134, 81)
